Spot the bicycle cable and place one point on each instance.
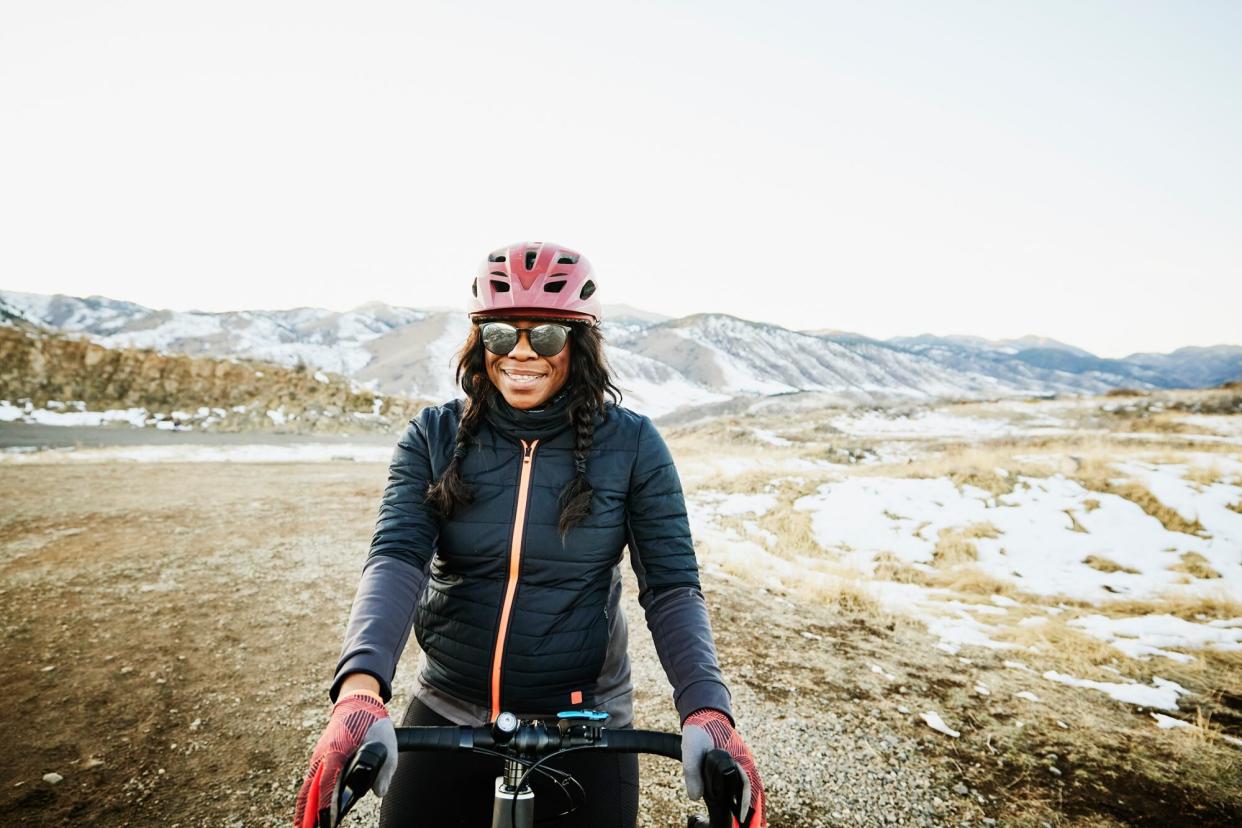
(535, 766)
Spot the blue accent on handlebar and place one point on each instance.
(589, 715)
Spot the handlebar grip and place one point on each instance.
(443, 738)
(641, 741)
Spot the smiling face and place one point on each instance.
(523, 377)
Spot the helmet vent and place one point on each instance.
(553, 287)
(587, 290)
(496, 257)
(501, 274)
(500, 287)
(566, 259)
(474, 287)
(530, 258)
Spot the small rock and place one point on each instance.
(196, 724)
(126, 670)
(92, 763)
(49, 668)
(810, 636)
(960, 789)
(53, 778)
(1054, 770)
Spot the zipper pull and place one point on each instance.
(528, 450)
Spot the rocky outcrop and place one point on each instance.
(228, 394)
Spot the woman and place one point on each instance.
(499, 541)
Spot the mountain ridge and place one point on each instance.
(662, 363)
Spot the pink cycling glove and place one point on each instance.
(356, 719)
(706, 730)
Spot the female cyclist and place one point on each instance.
(499, 541)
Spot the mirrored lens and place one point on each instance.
(499, 338)
(548, 340)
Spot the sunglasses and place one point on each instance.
(546, 340)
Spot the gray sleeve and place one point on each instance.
(662, 554)
(683, 639)
(380, 621)
(406, 533)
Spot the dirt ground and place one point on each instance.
(169, 631)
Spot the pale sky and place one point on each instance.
(1070, 169)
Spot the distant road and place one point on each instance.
(15, 435)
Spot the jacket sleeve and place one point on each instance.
(395, 572)
(662, 554)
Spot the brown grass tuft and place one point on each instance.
(847, 595)
(1204, 475)
(1141, 496)
(1070, 649)
(888, 567)
(1102, 564)
(1196, 566)
(972, 580)
(1215, 605)
(1235, 507)
(1074, 524)
(953, 548)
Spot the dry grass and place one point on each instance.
(1235, 507)
(1173, 521)
(953, 549)
(1063, 647)
(888, 567)
(971, 580)
(1098, 474)
(1215, 605)
(976, 466)
(1074, 524)
(1196, 566)
(1102, 564)
(1204, 475)
(1091, 504)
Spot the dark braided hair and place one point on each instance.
(589, 382)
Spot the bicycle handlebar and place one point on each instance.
(541, 741)
(532, 741)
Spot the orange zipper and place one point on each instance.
(515, 565)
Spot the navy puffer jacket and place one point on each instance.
(510, 614)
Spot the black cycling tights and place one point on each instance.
(444, 789)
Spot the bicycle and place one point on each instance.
(526, 745)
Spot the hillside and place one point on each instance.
(46, 377)
(664, 366)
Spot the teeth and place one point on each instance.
(523, 379)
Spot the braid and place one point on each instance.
(576, 497)
(450, 491)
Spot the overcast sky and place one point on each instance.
(1070, 169)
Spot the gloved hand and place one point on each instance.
(706, 730)
(356, 718)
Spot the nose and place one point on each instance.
(522, 349)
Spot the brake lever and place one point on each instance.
(359, 776)
(722, 789)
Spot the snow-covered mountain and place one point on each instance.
(1036, 363)
(661, 364)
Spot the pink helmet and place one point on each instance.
(539, 279)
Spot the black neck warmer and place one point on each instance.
(540, 423)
